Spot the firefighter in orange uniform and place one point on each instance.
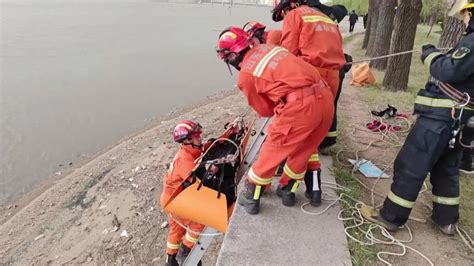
(257, 30)
(313, 36)
(180, 241)
(310, 34)
(278, 84)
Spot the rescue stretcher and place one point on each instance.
(209, 199)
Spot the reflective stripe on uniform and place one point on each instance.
(190, 238)
(265, 60)
(430, 58)
(292, 174)
(446, 200)
(172, 246)
(256, 194)
(332, 134)
(314, 158)
(295, 186)
(310, 19)
(435, 102)
(400, 201)
(258, 180)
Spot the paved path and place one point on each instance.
(282, 235)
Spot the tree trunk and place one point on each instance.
(373, 28)
(369, 23)
(406, 21)
(384, 33)
(452, 32)
(432, 22)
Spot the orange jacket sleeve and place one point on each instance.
(290, 33)
(182, 168)
(259, 102)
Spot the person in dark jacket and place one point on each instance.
(435, 143)
(366, 17)
(353, 18)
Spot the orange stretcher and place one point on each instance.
(210, 199)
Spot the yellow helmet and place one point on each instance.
(468, 5)
(458, 8)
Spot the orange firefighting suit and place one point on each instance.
(180, 169)
(313, 36)
(273, 37)
(277, 83)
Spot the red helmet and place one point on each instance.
(232, 40)
(280, 7)
(252, 26)
(185, 129)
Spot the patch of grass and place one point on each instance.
(466, 206)
(360, 255)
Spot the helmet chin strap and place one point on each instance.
(228, 66)
(194, 145)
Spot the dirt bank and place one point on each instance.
(71, 222)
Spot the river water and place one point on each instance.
(77, 76)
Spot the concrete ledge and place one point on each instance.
(282, 235)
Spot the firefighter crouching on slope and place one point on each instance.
(257, 30)
(180, 241)
(313, 36)
(278, 84)
(427, 147)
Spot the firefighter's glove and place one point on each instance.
(187, 183)
(213, 169)
(426, 50)
(348, 65)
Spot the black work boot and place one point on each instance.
(374, 216)
(449, 229)
(287, 193)
(312, 180)
(171, 260)
(183, 253)
(250, 198)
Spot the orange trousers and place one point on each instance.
(178, 234)
(297, 129)
(332, 79)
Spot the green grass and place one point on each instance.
(467, 206)
(360, 255)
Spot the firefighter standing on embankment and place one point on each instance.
(280, 85)
(433, 145)
(313, 36)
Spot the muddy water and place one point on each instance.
(77, 76)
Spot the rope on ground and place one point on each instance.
(386, 139)
(358, 221)
(465, 237)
